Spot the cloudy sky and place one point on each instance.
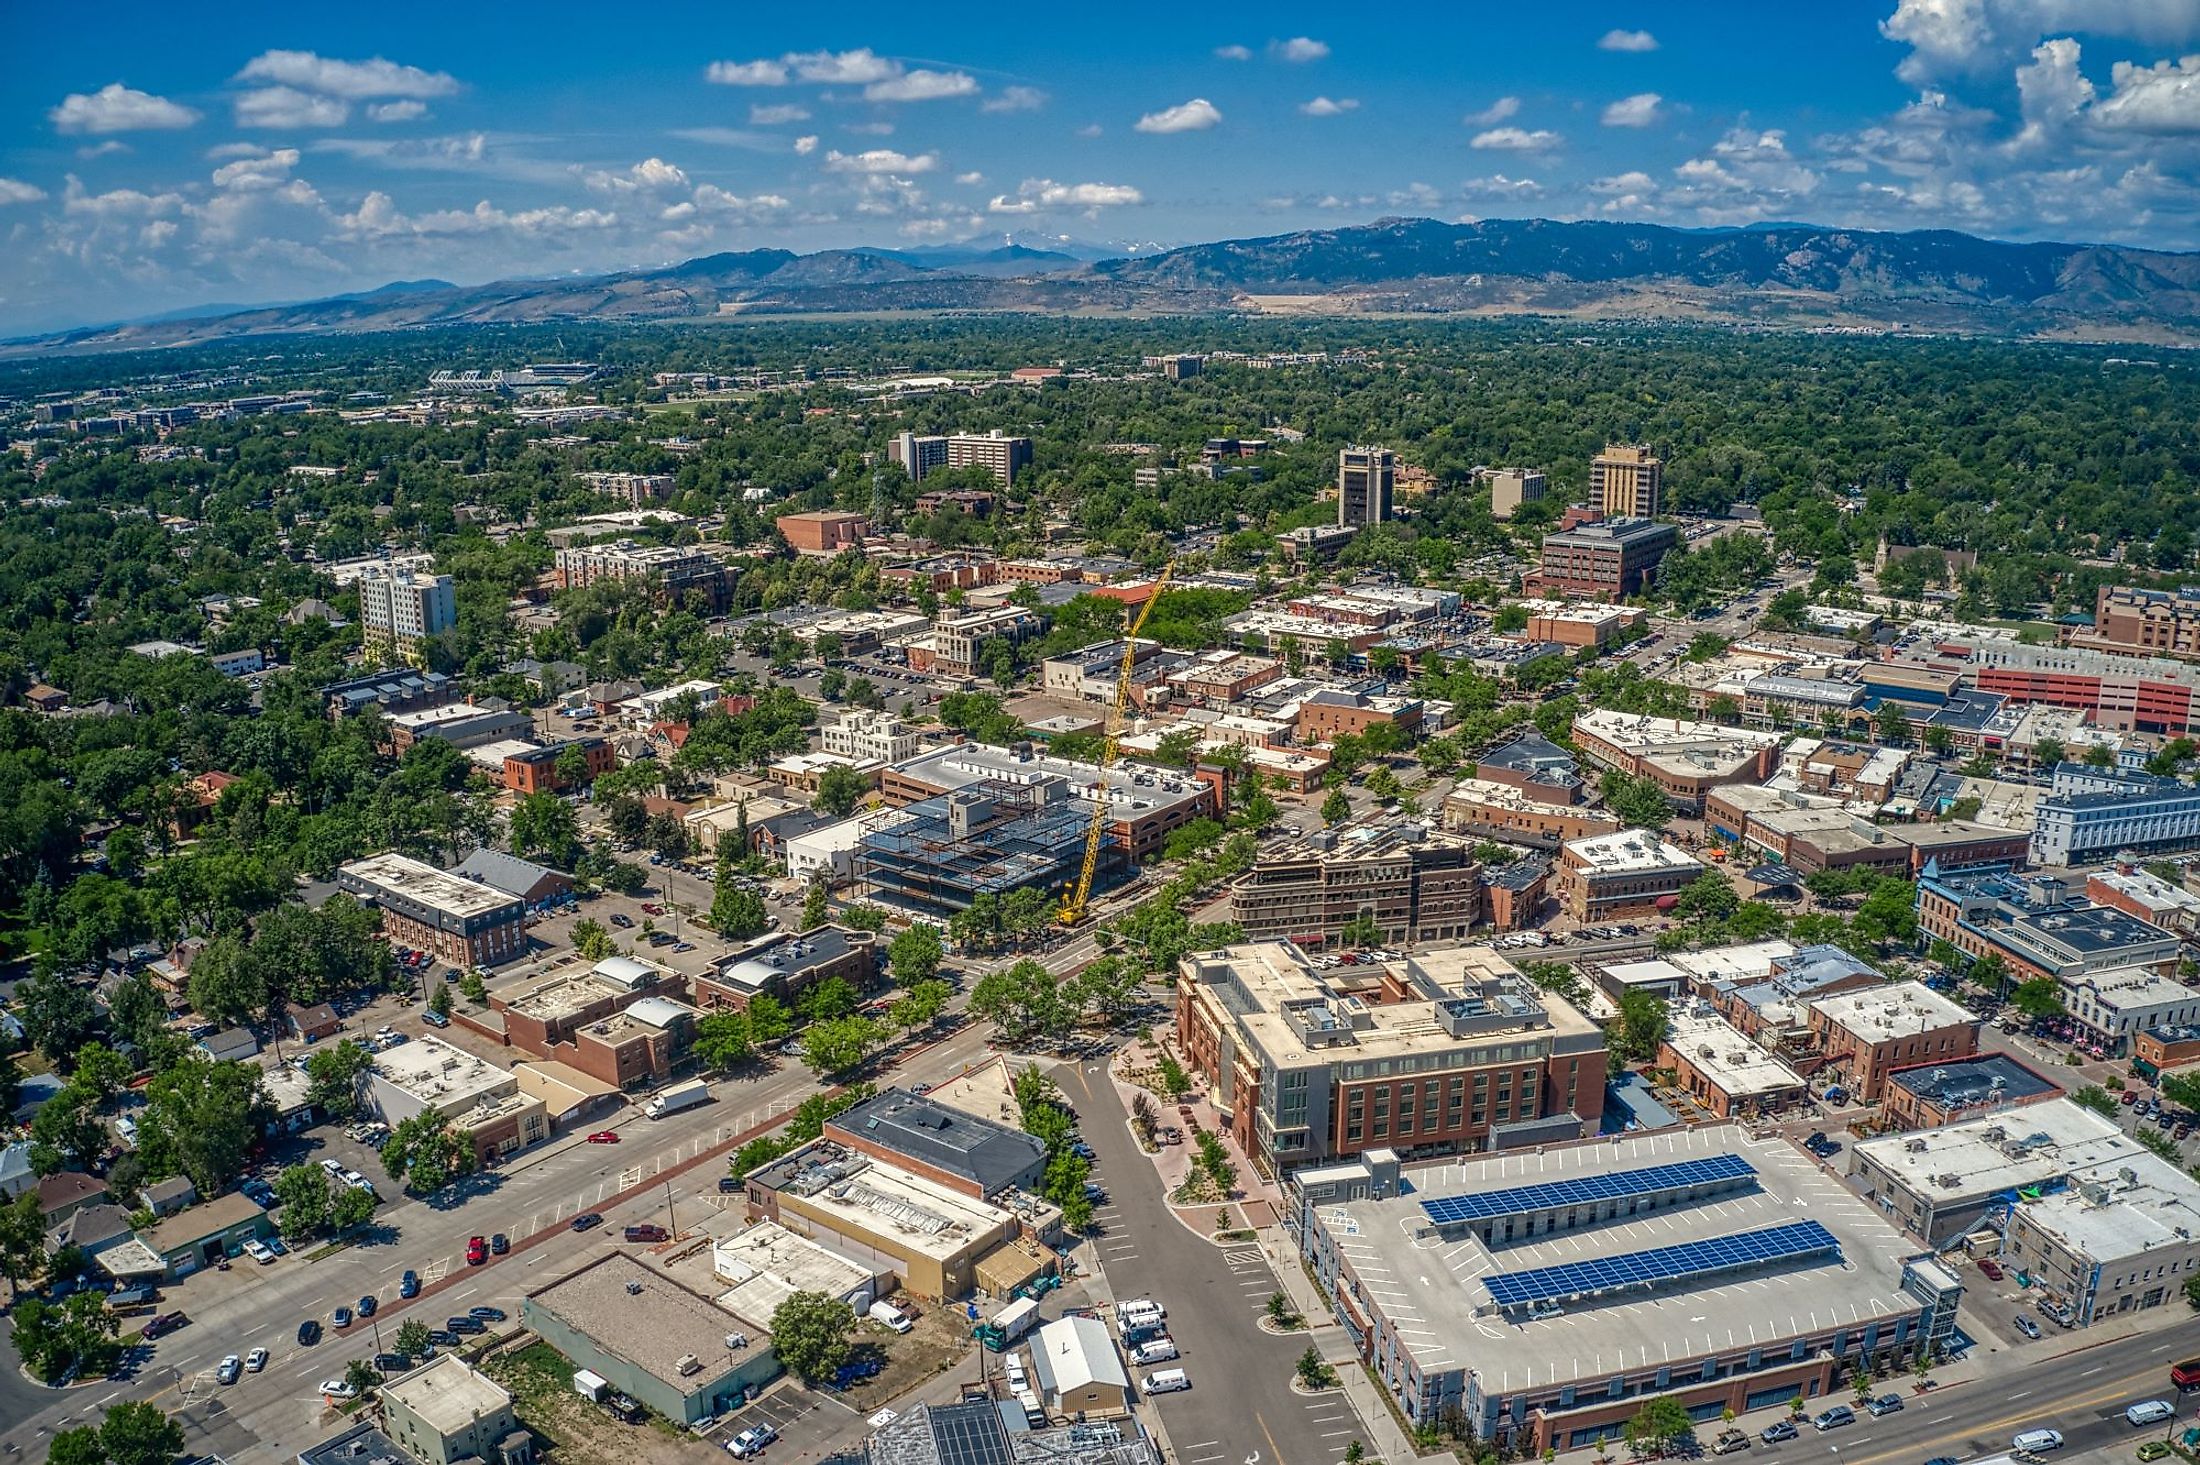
(149, 162)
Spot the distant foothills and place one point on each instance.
(1778, 276)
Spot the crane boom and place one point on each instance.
(1075, 900)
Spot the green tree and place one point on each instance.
(722, 1040)
(78, 1446)
(813, 1334)
(1658, 1425)
(2182, 1090)
(439, 998)
(1312, 1372)
(75, 1338)
(425, 1153)
(839, 790)
(1362, 930)
(921, 1006)
(1708, 897)
(1336, 808)
(22, 1241)
(590, 938)
(412, 1337)
(304, 1191)
(838, 1045)
(915, 954)
(1638, 802)
(544, 826)
(352, 1208)
(336, 1076)
(817, 906)
(136, 1432)
(1640, 1027)
(475, 989)
(770, 1020)
(361, 1375)
(200, 1120)
(2038, 999)
(58, 1016)
(738, 913)
(2096, 1098)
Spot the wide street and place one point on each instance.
(269, 1415)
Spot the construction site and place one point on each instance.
(990, 838)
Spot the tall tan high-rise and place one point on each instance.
(1626, 482)
(1365, 477)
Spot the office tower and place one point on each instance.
(1364, 480)
(1512, 487)
(1625, 482)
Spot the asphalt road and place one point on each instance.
(539, 1192)
(1240, 1409)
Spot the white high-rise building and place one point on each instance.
(400, 610)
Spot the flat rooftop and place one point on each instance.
(866, 1195)
(652, 1330)
(1897, 1010)
(424, 884)
(2149, 1205)
(1717, 1049)
(767, 1264)
(434, 1072)
(2134, 986)
(447, 1394)
(1630, 852)
(1965, 1083)
(1431, 1288)
(1995, 1152)
(944, 1138)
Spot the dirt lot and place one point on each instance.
(576, 1431)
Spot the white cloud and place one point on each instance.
(1015, 99)
(15, 190)
(1639, 110)
(353, 80)
(1497, 185)
(269, 171)
(2051, 92)
(405, 111)
(1196, 115)
(859, 67)
(805, 146)
(102, 149)
(120, 203)
(1045, 193)
(870, 129)
(921, 86)
(2157, 99)
(1747, 176)
(1494, 113)
(117, 108)
(1234, 53)
(221, 152)
(1515, 140)
(1978, 36)
(1633, 182)
(379, 218)
(710, 198)
(732, 137)
(763, 116)
(282, 106)
(881, 160)
(746, 73)
(649, 175)
(1298, 49)
(1328, 107)
(1620, 40)
(970, 177)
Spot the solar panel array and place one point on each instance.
(969, 1434)
(1606, 1185)
(1661, 1264)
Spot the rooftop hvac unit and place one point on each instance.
(633, 1289)
(737, 1341)
(688, 1364)
(1947, 1182)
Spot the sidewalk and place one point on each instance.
(1254, 1203)
(1391, 1443)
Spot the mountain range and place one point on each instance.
(1792, 276)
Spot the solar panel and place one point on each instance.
(1662, 1264)
(1606, 1185)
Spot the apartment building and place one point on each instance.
(1729, 1076)
(1684, 759)
(1448, 1053)
(1869, 1033)
(401, 611)
(1609, 559)
(2133, 622)
(535, 770)
(1612, 876)
(2090, 814)
(636, 489)
(454, 920)
(1413, 886)
(1512, 487)
(996, 452)
(917, 456)
(2036, 927)
(1366, 481)
(864, 735)
(956, 643)
(823, 532)
(673, 573)
(1487, 809)
(2122, 693)
(1627, 481)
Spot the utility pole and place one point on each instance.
(672, 1223)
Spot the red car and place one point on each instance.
(477, 1250)
(652, 910)
(1991, 1268)
(164, 1322)
(604, 1137)
(647, 1233)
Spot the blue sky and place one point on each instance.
(149, 162)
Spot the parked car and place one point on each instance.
(338, 1389)
(647, 1233)
(1991, 1268)
(367, 1306)
(1780, 1430)
(477, 1250)
(1884, 1404)
(259, 1252)
(163, 1323)
(623, 922)
(499, 1244)
(487, 1314)
(587, 1221)
(2026, 1326)
(751, 1441)
(728, 1185)
(604, 1137)
(409, 1284)
(309, 1332)
(1834, 1418)
(434, 1019)
(341, 1317)
(464, 1325)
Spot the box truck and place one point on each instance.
(680, 1096)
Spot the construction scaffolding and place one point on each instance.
(939, 854)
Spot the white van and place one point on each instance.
(1161, 1350)
(2153, 1411)
(1139, 1314)
(886, 1313)
(1124, 1310)
(1174, 1380)
(2039, 1441)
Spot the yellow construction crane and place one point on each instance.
(1078, 897)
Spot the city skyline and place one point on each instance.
(282, 156)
